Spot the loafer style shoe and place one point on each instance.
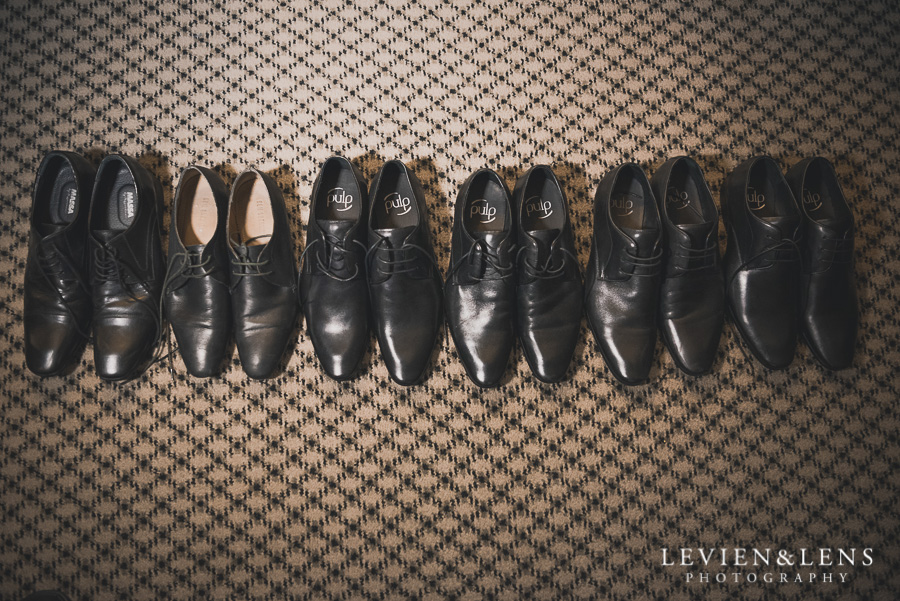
(334, 292)
(196, 295)
(57, 294)
(829, 312)
(480, 292)
(692, 296)
(404, 280)
(548, 277)
(128, 268)
(624, 273)
(263, 273)
(762, 259)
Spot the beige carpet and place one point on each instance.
(300, 487)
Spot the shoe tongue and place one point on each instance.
(106, 235)
(786, 224)
(544, 239)
(336, 228)
(250, 252)
(491, 239)
(644, 239)
(396, 236)
(697, 233)
(196, 249)
(47, 230)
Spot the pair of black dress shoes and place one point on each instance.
(383, 268)
(514, 271)
(231, 270)
(95, 262)
(655, 264)
(789, 261)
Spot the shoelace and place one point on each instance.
(650, 265)
(785, 250)
(405, 262)
(836, 250)
(334, 249)
(246, 266)
(488, 260)
(108, 267)
(60, 275)
(697, 259)
(547, 271)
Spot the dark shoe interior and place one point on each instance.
(768, 195)
(394, 201)
(116, 192)
(687, 200)
(543, 207)
(628, 203)
(822, 196)
(486, 209)
(338, 196)
(250, 219)
(197, 215)
(56, 198)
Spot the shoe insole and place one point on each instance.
(339, 194)
(395, 203)
(57, 201)
(197, 216)
(766, 192)
(253, 222)
(543, 208)
(120, 194)
(822, 198)
(685, 197)
(628, 200)
(486, 206)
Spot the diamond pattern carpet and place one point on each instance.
(300, 487)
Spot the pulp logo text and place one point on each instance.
(395, 202)
(537, 206)
(339, 197)
(483, 210)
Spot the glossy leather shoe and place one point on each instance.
(196, 296)
(128, 268)
(829, 313)
(334, 293)
(404, 280)
(624, 273)
(263, 273)
(57, 294)
(480, 292)
(762, 259)
(549, 290)
(692, 297)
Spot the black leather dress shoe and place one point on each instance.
(128, 268)
(829, 313)
(692, 297)
(333, 289)
(57, 295)
(762, 260)
(480, 292)
(623, 277)
(263, 273)
(404, 280)
(549, 289)
(196, 296)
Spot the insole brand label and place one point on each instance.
(538, 206)
(811, 200)
(399, 205)
(71, 198)
(623, 205)
(755, 200)
(677, 199)
(128, 203)
(483, 210)
(339, 197)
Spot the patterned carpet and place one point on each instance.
(300, 487)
